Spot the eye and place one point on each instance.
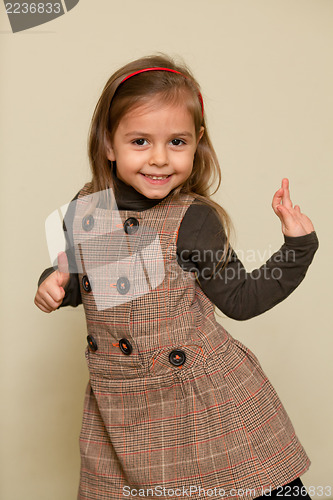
(177, 142)
(139, 142)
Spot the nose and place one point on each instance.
(158, 156)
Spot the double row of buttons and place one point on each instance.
(176, 357)
(130, 227)
(131, 224)
(122, 285)
(124, 345)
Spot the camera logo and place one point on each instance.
(28, 14)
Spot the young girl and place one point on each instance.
(175, 406)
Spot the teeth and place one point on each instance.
(154, 177)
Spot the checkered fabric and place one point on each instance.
(212, 424)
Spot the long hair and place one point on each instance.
(118, 98)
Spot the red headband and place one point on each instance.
(163, 69)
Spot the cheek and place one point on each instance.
(185, 159)
(126, 157)
(187, 166)
(191, 158)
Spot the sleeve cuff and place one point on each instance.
(306, 239)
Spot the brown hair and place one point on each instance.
(118, 99)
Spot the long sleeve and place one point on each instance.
(72, 289)
(237, 293)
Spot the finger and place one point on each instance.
(63, 272)
(298, 214)
(42, 305)
(62, 262)
(286, 201)
(277, 198)
(53, 299)
(44, 309)
(287, 218)
(306, 223)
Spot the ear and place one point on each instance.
(109, 150)
(201, 133)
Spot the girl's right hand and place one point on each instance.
(51, 293)
(293, 221)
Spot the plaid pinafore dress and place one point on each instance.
(175, 407)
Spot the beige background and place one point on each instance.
(265, 68)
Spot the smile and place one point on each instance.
(160, 177)
(157, 180)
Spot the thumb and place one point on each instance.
(63, 271)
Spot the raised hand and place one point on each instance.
(51, 293)
(293, 222)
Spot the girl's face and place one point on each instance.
(154, 148)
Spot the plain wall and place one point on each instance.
(265, 68)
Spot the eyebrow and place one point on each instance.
(144, 134)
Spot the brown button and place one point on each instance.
(125, 346)
(86, 284)
(92, 343)
(177, 357)
(88, 222)
(123, 285)
(131, 225)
